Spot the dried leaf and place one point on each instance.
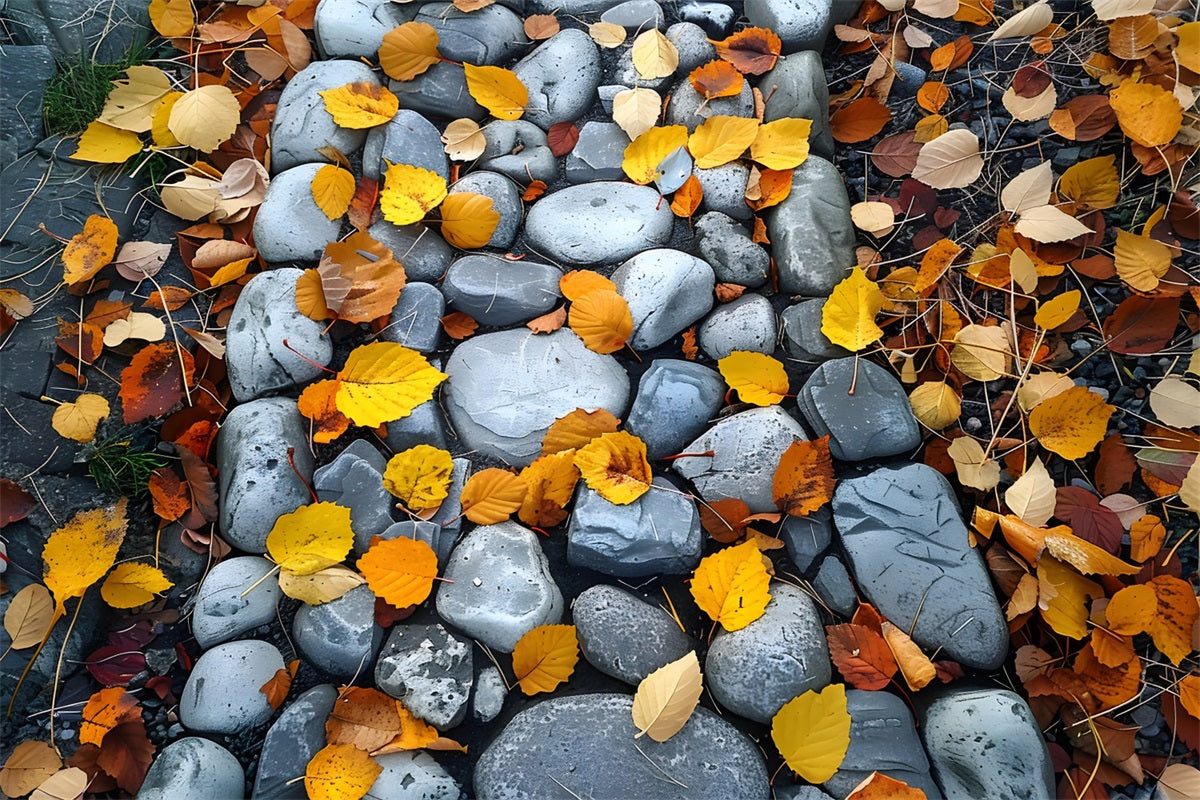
(419, 476)
(1032, 497)
(340, 772)
(153, 383)
(130, 585)
(804, 481)
(80, 552)
(205, 117)
(666, 698)
(812, 732)
(935, 404)
(654, 55)
(545, 657)
(498, 90)
(731, 586)
(551, 481)
(636, 110)
(409, 50)
(721, 139)
(1166, 608)
(614, 465)
(492, 495)
(861, 655)
(577, 429)
(758, 378)
(860, 120)
(1072, 423)
(79, 420)
(383, 381)
(29, 764)
(974, 468)
(469, 220)
(362, 104)
(752, 50)
(848, 316)
(311, 538)
(951, 161)
(464, 140)
(602, 319)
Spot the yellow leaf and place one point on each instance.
(383, 382)
(400, 571)
(132, 102)
(204, 118)
(1140, 260)
(80, 552)
(498, 90)
(160, 130)
(666, 698)
(1146, 112)
(1057, 309)
(720, 139)
(607, 34)
(848, 317)
(614, 465)
(602, 320)
(545, 657)
(645, 153)
(1063, 596)
(414, 734)
(803, 480)
(981, 352)
(130, 585)
(409, 50)
(78, 420)
(782, 143)
(973, 467)
(1092, 184)
(731, 586)
(574, 430)
(654, 55)
(812, 732)
(1165, 608)
(173, 19)
(914, 665)
(935, 404)
(551, 481)
(311, 538)
(758, 378)
(340, 772)
(1187, 50)
(360, 105)
(332, 190)
(104, 144)
(90, 250)
(321, 586)
(492, 495)
(419, 476)
(469, 220)
(409, 192)
(1072, 423)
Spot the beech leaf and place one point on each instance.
(545, 657)
(666, 698)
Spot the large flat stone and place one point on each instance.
(872, 421)
(598, 223)
(812, 237)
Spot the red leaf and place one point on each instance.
(362, 205)
(126, 753)
(153, 382)
(562, 138)
(1081, 509)
(15, 502)
(201, 485)
(861, 655)
(1142, 325)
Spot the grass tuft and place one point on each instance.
(121, 464)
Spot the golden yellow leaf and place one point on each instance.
(574, 430)
(130, 585)
(812, 732)
(492, 495)
(602, 320)
(914, 665)
(321, 586)
(666, 698)
(498, 90)
(1092, 184)
(720, 139)
(132, 102)
(104, 144)
(1187, 50)
(758, 378)
(90, 250)
(1057, 309)
(419, 476)
(545, 657)
(731, 586)
(935, 404)
(80, 552)
(614, 465)
(29, 764)
(79, 420)
(578, 282)
(469, 220)
(974, 468)
(551, 481)
(1146, 112)
(414, 734)
(360, 105)
(981, 352)
(311, 538)
(715, 79)
(1072, 423)
(28, 616)
(204, 118)
(848, 317)
(803, 480)
(332, 190)
(1140, 260)
(409, 50)
(1063, 597)
(160, 131)
(401, 571)
(781, 143)
(173, 19)
(645, 153)
(654, 55)
(383, 382)
(340, 772)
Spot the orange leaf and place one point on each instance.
(468, 220)
(359, 279)
(362, 205)
(365, 718)
(1112, 686)
(932, 96)
(414, 734)
(716, 79)
(154, 381)
(545, 657)
(578, 282)
(168, 493)
(804, 479)
(492, 495)
(687, 198)
(105, 710)
(861, 655)
(767, 187)
(126, 754)
(878, 786)
(277, 688)
(752, 51)
(318, 402)
(400, 571)
(80, 340)
(725, 520)
(550, 322)
(89, 250)
(577, 429)
(1146, 536)
(551, 481)
(914, 665)
(602, 320)
(168, 298)
(459, 325)
(1165, 608)
(860, 120)
(533, 191)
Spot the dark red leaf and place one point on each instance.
(15, 502)
(1081, 509)
(126, 753)
(562, 138)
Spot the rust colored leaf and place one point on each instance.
(126, 754)
(365, 718)
(896, 155)
(80, 340)
(549, 322)
(168, 493)
(459, 325)
(153, 382)
(1084, 118)
(687, 197)
(202, 487)
(861, 655)
(362, 205)
(716, 79)
(932, 96)
(1089, 520)
(107, 311)
(562, 138)
(1146, 537)
(1115, 467)
(357, 280)
(724, 520)
(1141, 325)
(1165, 608)
(168, 298)
(533, 191)
(276, 689)
(752, 50)
(860, 120)
(1111, 686)
(15, 502)
(804, 479)
(1031, 79)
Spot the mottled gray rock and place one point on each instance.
(422, 250)
(354, 480)
(222, 692)
(635, 16)
(726, 245)
(195, 768)
(408, 138)
(715, 18)
(425, 425)
(302, 125)
(412, 775)
(502, 587)
(490, 35)
(439, 93)
(796, 87)
(222, 611)
(561, 75)
(625, 74)
(811, 235)
(490, 692)
(782, 654)
(801, 26)
(289, 225)
(746, 450)
(667, 290)
(598, 223)
(693, 45)
(76, 30)
(496, 291)
(598, 154)
(26, 71)
(725, 189)
(883, 739)
(688, 107)
(518, 149)
(746, 323)
(986, 742)
(659, 533)
(569, 7)
(802, 332)
(908, 547)
(675, 401)
(807, 537)
(507, 388)
(291, 743)
(873, 421)
(835, 587)
(416, 321)
(256, 482)
(625, 637)
(340, 636)
(586, 741)
(506, 200)
(429, 670)
(355, 28)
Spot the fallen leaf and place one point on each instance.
(78, 554)
(721, 139)
(636, 110)
(1147, 113)
(541, 26)
(875, 218)
(614, 465)
(878, 786)
(409, 50)
(409, 193)
(859, 120)
(173, 19)
(205, 117)
(545, 657)
(498, 90)
(861, 655)
(914, 665)
(276, 689)
(644, 155)
(492, 495)
(28, 765)
(332, 190)
(79, 420)
(550, 481)
(974, 468)
(29, 616)
(1072, 423)
(935, 404)
(731, 586)
(105, 710)
(312, 537)
(469, 220)
(1176, 402)
(981, 352)
(1165, 607)
(1026, 22)
(654, 55)
(384, 381)
(130, 585)
(716, 79)
(665, 699)
(90, 250)
(131, 103)
(153, 383)
(607, 34)
(812, 732)
(687, 197)
(419, 477)
(782, 143)
(758, 378)
(804, 481)
(1031, 497)
(602, 320)
(848, 316)
(464, 140)
(1057, 310)
(752, 51)
(577, 429)
(340, 772)
(951, 161)
(362, 717)
(360, 105)
(104, 144)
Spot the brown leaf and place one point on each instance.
(804, 479)
(168, 493)
(80, 340)
(716, 79)
(752, 50)
(1084, 118)
(276, 689)
(860, 120)
(105, 312)
(201, 485)
(1115, 467)
(170, 298)
(896, 155)
(15, 502)
(362, 205)
(562, 138)
(153, 383)
(105, 710)
(126, 754)
(365, 718)
(358, 280)
(1141, 325)
(1089, 520)
(725, 520)
(541, 26)
(861, 655)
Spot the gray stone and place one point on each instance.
(408, 138)
(807, 537)
(507, 388)
(667, 290)
(598, 223)
(715, 18)
(675, 401)
(569, 7)
(425, 425)
(725, 189)
(490, 35)
(625, 637)
(422, 250)
(302, 125)
(606, 94)
(355, 28)
(506, 200)
(746, 323)
(74, 30)
(490, 693)
(693, 45)
(412, 775)
(518, 149)
(222, 611)
(195, 768)
(835, 587)
(561, 75)
(909, 78)
(222, 692)
(340, 636)
(449, 514)
(659, 533)
(811, 235)
(746, 450)
(416, 321)
(782, 654)
(797, 87)
(429, 670)
(26, 71)
(256, 482)
(496, 291)
(882, 739)
(291, 743)
(908, 547)
(798, 792)
(356, 483)
(626, 74)
(635, 16)
(585, 742)
(501, 586)
(289, 225)
(440, 92)
(986, 742)
(358, 450)
(802, 336)
(727, 247)
(800, 25)
(861, 407)
(598, 154)
(688, 107)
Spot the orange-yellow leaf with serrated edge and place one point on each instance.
(804, 481)
(80, 552)
(1072, 423)
(104, 144)
(383, 382)
(318, 403)
(130, 585)
(1147, 113)
(551, 481)
(332, 190)
(414, 734)
(848, 316)
(576, 429)
(409, 193)
(340, 772)
(312, 537)
(409, 50)
(360, 105)
(614, 465)
(498, 90)
(90, 250)
(419, 476)
(758, 378)
(492, 495)
(721, 139)
(400, 571)
(812, 732)
(602, 320)
(644, 154)
(1165, 608)
(878, 786)
(687, 198)
(731, 586)
(781, 143)
(545, 657)
(469, 220)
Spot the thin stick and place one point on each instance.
(58, 668)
